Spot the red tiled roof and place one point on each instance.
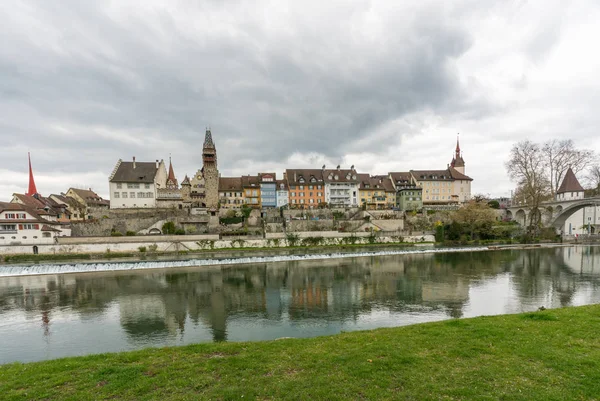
(570, 183)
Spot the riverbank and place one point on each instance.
(547, 355)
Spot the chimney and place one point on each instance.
(352, 167)
(294, 176)
(323, 167)
(134, 162)
(156, 163)
(338, 167)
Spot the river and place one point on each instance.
(46, 316)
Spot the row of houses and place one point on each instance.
(149, 185)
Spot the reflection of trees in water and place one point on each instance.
(160, 303)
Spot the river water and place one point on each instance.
(48, 316)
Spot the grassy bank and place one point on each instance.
(549, 355)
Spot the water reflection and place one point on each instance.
(97, 312)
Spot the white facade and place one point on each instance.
(18, 227)
(567, 196)
(282, 196)
(462, 190)
(341, 194)
(131, 194)
(583, 221)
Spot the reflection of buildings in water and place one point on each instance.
(582, 259)
(145, 316)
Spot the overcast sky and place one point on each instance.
(377, 84)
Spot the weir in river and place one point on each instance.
(33, 269)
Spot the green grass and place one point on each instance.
(549, 355)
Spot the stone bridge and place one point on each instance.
(553, 213)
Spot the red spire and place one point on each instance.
(171, 173)
(32, 189)
(457, 145)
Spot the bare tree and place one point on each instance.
(527, 168)
(559, 156)
(592, 180)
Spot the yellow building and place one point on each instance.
(251, 193)
(231, 193)
(376, 192)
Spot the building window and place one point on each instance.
(150, 195)
(301, 193)
(301, 187)
(116, 195)
(119, 185)
(311, 201)
(132, 195)
(124, 196)
(147, 186)
(140, 195)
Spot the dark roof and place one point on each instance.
(343, 175)
(261, 175)
(432, 175)
(279, 183)
(457, 175)
(402, 177)
(230, 183)
(17, 207)
(90, 197)
(375, 182)
(143, 172)
(43, 206)
(570, 183)
(250, 181)
(293, 176)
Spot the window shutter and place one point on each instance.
(36, 226)
(20, 226)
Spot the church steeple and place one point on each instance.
(458, 162)
(171, 180)
(32, 190)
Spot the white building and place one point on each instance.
(136, 184)
(282, 193)
(341, 187)
(22, 225)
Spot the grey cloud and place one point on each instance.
(322, 82)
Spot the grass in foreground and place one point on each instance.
(549, 355)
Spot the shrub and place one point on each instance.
(153, 247)
(115, 234)
(168, 228)
(130, 233)
(312, 241)
(292, 239)
(142, 249)
(180, 231)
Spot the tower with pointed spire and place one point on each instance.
(32, 190)
(171, 180)
(458, 162)
(209, 171)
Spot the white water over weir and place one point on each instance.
(36, 269)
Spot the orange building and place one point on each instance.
(306, 188)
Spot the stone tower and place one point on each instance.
(457, 161)
(210, 171)
(186, 189)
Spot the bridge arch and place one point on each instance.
(566, 212)
(521, 217)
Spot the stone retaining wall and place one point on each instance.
(189, 242)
